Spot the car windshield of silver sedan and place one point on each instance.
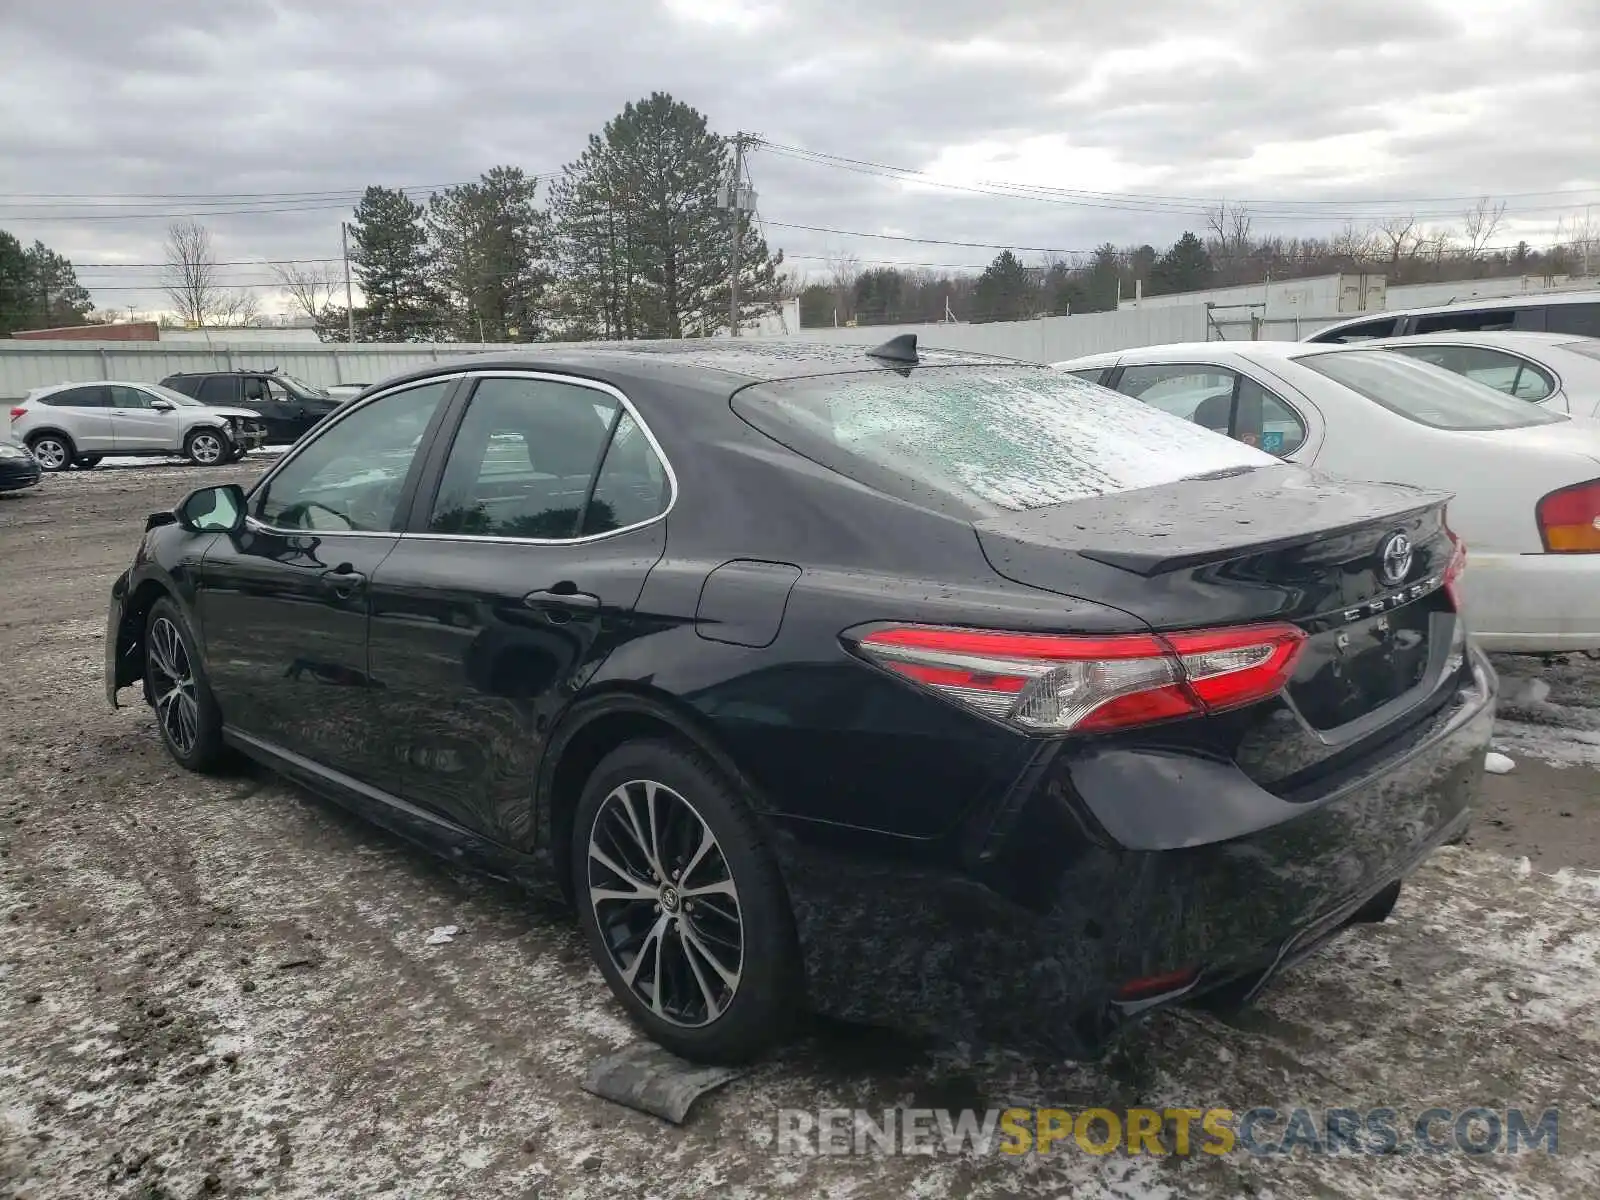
(1010, 438)
(1426, 394)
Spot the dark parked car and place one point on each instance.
(927, 689)
(18, 469)
(288, 406)
(1574, 313)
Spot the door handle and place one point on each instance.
(558, 597)
(342, 581)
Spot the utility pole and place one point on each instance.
(738, 200)
(738, 223)
(349, 305)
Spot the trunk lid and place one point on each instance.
(1358, 566)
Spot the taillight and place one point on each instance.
(1569, 519)
(18, 413)
(1055, 683)
(1455, 568)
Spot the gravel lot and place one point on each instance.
(224, 987)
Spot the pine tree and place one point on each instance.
(491, 244)
(1184, 268)
(1005, 291)
(643, 247)
(38, 288)
(393, 263)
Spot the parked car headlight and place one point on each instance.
(9, 451)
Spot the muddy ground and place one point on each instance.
(225, 987)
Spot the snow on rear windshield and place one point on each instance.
(1012, 437)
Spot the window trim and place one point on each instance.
(1539, 367)
(429, 484)
(344, 412)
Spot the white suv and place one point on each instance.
(77, 424)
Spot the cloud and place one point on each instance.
(1361, 106)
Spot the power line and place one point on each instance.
(1151, 201)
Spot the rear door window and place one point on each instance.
(1467, 320)
(220, 390)
(1581, 319)
(1201, 394)
(1425, 394)
(1220, 399)
(95, 396)
(985, 438)
(523, 460)
(1493, 368)
(1376, 328)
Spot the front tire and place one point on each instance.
(52, 451)
(205, 447)
(175, 681)
(682, 904)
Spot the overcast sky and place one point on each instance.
(1312, 111)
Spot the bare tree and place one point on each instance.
(236, 308)
(1480, 223)
(1399, 237)
(190, 276)
(843, 271)
(311, 289)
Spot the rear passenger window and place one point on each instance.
(1203, 395)
(1467, 320)
(1493, 368)
(1207, 396)
(1377, 328)
(525, 455)
(83, 397)
(633, 485)
(219, 389)
(1581, 319)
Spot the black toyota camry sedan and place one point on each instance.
(907, 687)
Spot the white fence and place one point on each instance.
(1048, 339)
(30, 364)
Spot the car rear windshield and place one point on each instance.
(990, 437)
(1424, 393)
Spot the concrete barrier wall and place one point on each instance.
(29, 364)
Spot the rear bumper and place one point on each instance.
(1032, 943)
(1533, 603)
(16, 475)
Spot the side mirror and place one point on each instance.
(161, 405)
(217, 509)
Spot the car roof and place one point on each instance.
(1468, 304)
(715, 362)
(1177, 351)
(77, 383)
(1509, 338)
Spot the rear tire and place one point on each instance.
(206, 448)
(175, 680)
(52, 451)
(689, 923)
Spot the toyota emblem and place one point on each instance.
(1394, 559)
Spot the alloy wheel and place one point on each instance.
(177, 706)
(664, 899)
(206, 448)
(50, 453)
